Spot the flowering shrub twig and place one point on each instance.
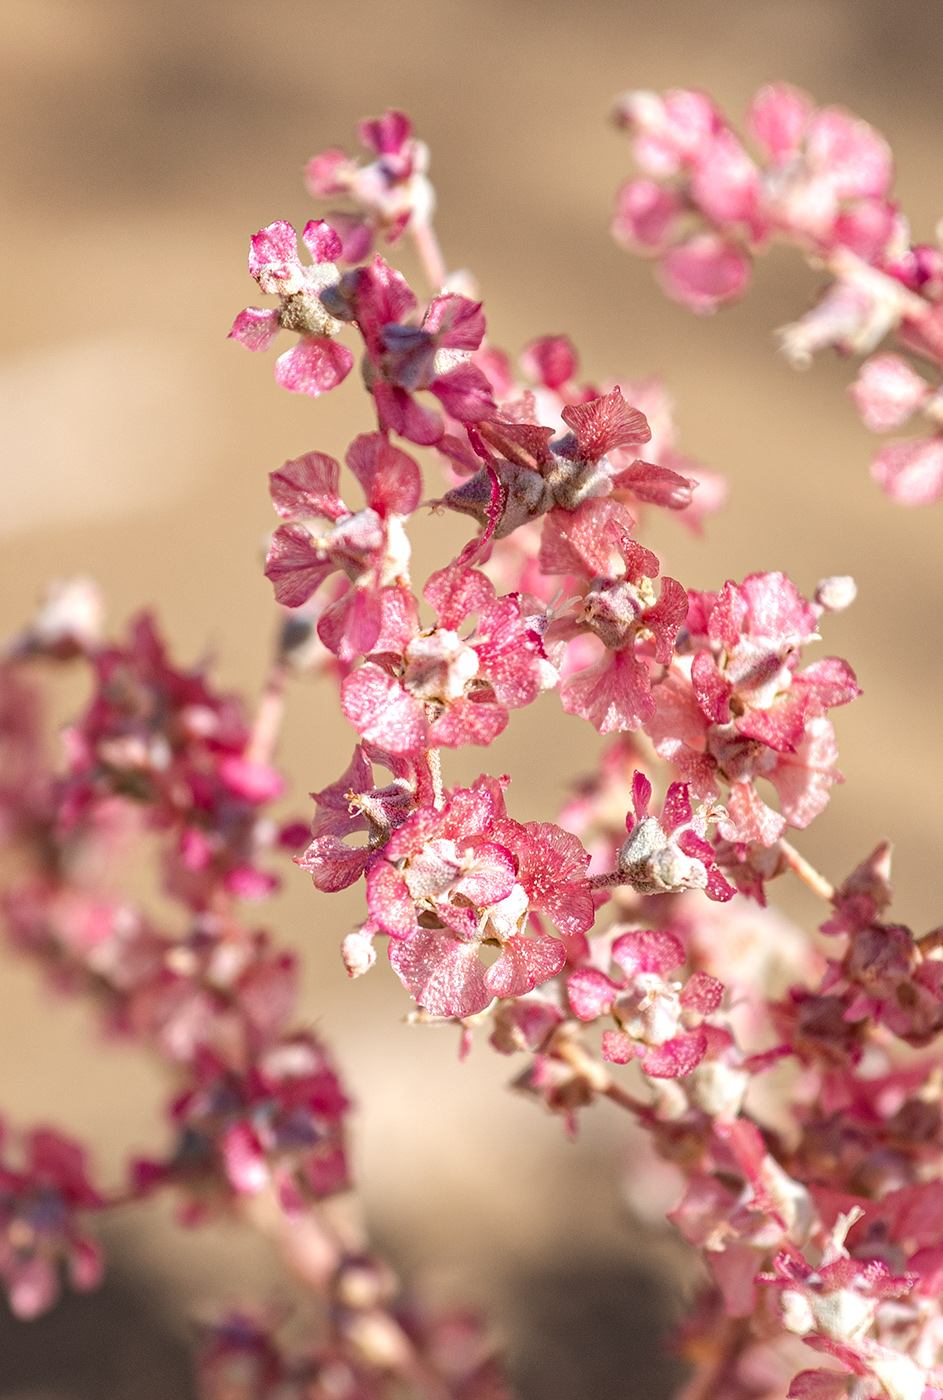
(625, 950)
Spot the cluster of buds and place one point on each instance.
(821, 180)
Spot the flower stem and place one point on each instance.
(807, 873)
(430, 254)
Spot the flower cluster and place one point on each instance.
(626, 949)
(821, 180)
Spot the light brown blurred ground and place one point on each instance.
(144, 141)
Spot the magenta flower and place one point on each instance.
(404, 358)
(376, 611)
(451, 881)
(615, 693)
(316, 364)
(392, 192)
(446, 689)
(40, 1223)
(666, 854)
(739, 709)
(659, 1020)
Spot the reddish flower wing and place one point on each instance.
(389, 901)
(314, 366)
(550, 361)
(605, 423)
(455, 593)
(307, 486)
(382, 711)
(295, 565)
(551, 866)
(677, 1056)
(321, 241)
(443, 973)
(647, 950)
(255, 328)
(591, 992)
(524, 964)
(391, 479)
(615, 693)
(581, 541)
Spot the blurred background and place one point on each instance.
(145, 141)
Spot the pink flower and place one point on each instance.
(316, 364)
(669, 853)
(403, 358)
(614, 693)
(41, 1206)
(450, 881)
(659, 1020)
(443, 688)
(391, 192)
(739, 709)
(376, 610)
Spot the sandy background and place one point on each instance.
(144, 141)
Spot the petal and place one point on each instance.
(255, 328)
(702, 993)
(591, 992)
(705, 272)
(911, 473)
(647, 950)
(307, 486)
(321, 241)
(295, 565)
(469, 721)
(443, 973)
(391, 906)
(581, 541)
(382, 712)
(524, 963)
(391, 479)
(613, 694)
(676, 1057)
(273, 255)
(313, 366)
(332, 864)
(605, 423)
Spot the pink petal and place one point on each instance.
(647, 950)
(382, 712)
(676, 1057)
(256, 782)
(255, 328)
(855, 158)
(350, 626)
(551, 866)
(887, 391)
(613, 694)
(465, 393)
(702, 993)
(332, 864)
(398, 412)
(273, 255)
(391, 906)
(391, 479)
(581, 541)
(911, 473)
(777, 118)
(491, 877)
(455, 593)
(244, 1157)
(443, 973)
(86, 1264)
(524, 964)
(605, 423)
(307, 486)
(751, 816)
(666, 618)
(705, 272)
(34, 1288)
(676, 810)
(456, 322)
(469, 721)
(619, 1048)
(321, 241)
(313, 366)
(726, 184)
(550, 361)
(385, 135)
(803, 780)
(645, 211)
(591, 992)
(295, 565)
(656, 485)
(641, 795)
(829, 682)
